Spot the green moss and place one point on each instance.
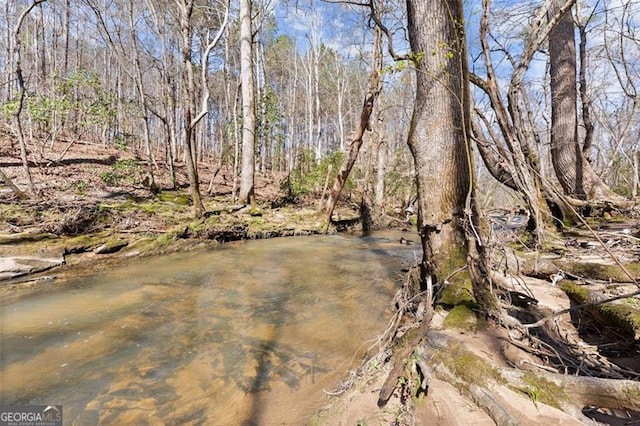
(255, 211)
(632, 392)
(623, 316)
(472, 369)
(468, 367)
(23, 237)
(128, 204)
(213, 220)
(543, 390)
(197, 226)
(149, 208)
(596, 271)
(113, 244)
(165, 238)
(84, 242)
(174, 197)
(458, 292)
(461, 317)
(575, 291)
(404, 340)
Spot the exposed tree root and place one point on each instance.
(580, 391)
(553, 365)
(569, 392)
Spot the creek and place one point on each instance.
(245, 333)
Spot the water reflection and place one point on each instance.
(250, 332)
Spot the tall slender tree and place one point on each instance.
(248, 104)
(185, 8)
(17, 115)
(373, 90)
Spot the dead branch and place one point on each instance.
(403, 353)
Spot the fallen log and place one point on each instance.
(606, 310)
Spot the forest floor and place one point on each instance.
(94, 211)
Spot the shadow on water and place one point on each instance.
(274, 362)
(265, 356)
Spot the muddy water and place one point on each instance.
(249, 333)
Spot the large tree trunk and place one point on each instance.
(248, 104)
(574, 172)
(565, 149)
(438, 133)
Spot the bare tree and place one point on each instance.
(515, 144)
(248, 104)
(574, 172)
(185, 8)
(17, 115)
(373, 90)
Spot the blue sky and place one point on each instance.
(337, 26)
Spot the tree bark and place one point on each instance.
(438, 133)
(17, 115)
(565, 149)
(248, 104)
(574, 172)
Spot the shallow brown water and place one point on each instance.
(249, 333)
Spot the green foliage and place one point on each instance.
(80, 186)
(300, 183)
(399, 66)
(271, 125)
(8, 109)
(77, 100)
(123, 140)
(127, 171)
(397, 183)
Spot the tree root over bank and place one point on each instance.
(522, 376)
(473, 376)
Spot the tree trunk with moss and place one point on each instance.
(438, 134)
